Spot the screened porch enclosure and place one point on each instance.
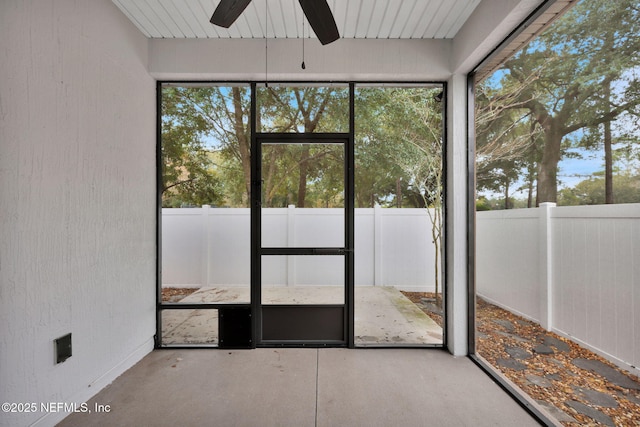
(87, 146)
(315, 208)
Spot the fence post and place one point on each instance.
(205, 245)
(545, 247)
(291, 240)
(377, 245)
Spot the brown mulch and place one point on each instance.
(562, 375)
(565, 376)
(418, 297)
(176, 294)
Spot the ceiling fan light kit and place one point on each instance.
(318, 14)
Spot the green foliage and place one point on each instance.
(206, 146)
(303, 109)
(499, 203)
(323, 175)
(555, 94)
(399, 155)
(188, 174)
(482, 204)
(302, 174)
(592, 191)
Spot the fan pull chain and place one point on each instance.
(266, 44)
(303, 65)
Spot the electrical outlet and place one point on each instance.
(63, 348)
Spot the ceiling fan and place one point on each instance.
(317, 12)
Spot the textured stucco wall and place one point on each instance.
(77, 206)
(345, 59)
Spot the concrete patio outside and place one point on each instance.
(383, 316)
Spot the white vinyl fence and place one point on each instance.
(575, 270)
(211, 246)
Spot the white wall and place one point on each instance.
(209, 247)
(77, 185)
(345, 59)
(587, 289)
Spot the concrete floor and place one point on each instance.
(303, 387)
(383, 316)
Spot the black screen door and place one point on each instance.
(302, 239)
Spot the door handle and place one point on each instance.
(330, 251)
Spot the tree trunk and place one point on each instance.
(608, 155)
(547, 190)
(531, 165)
(506, 194)
(268, 183)
(244, 141)
(435, 236)
(608, 165)
(302, 181)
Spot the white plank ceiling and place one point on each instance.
(374, 19)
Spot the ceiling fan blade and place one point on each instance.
(228, 11)
(321, 20)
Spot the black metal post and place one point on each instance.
(350, 221)
(256, 225)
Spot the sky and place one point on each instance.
(571, 171)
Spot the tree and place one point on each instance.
(402, 128)
(209, 124)
(386, 120)
(224, 117)
(594, 44)
(188, 174)
(217, 120)
(308, 110)
(425, 167)
(507, 138)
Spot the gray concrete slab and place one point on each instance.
(383, 316)
(262, 387)
(410, 387)
(303, 387)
